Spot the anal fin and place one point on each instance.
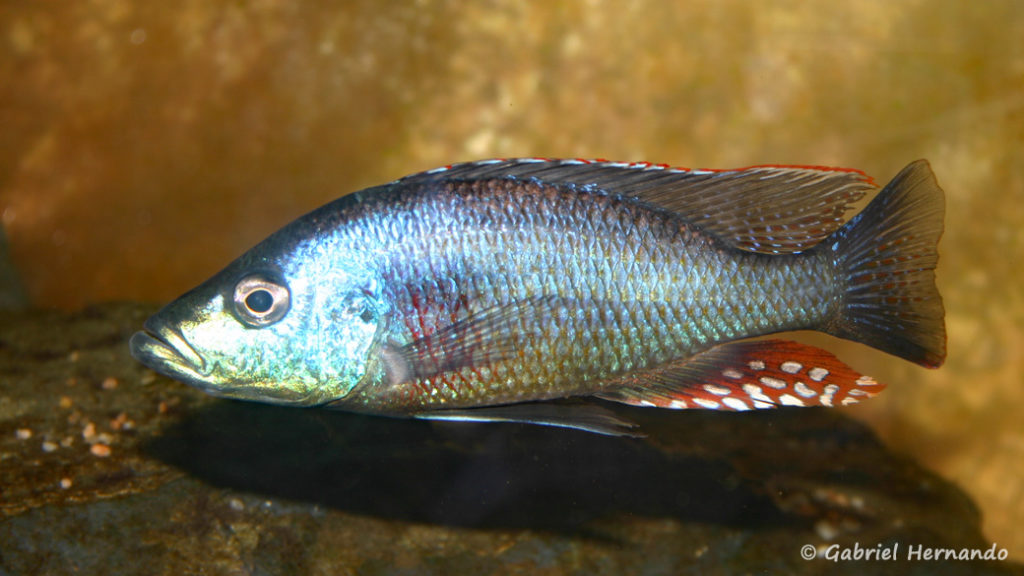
(749, 375)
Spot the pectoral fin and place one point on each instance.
(480, 339)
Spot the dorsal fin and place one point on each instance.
(766, 209)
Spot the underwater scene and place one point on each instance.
(590, 287)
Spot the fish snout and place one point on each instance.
(163, 349)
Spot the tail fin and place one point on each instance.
(888, 254)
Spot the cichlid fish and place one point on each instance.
(483, 291)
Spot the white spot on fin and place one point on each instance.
(773, 382)
(706, 403)
(717, 390)
(791, 367)
(866, 381)
(803, 390)
(790, 400)
(736, 404)
(828, 395)
(755, 392)
(817, 374)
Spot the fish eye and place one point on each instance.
(260, 301)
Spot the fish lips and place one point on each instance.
(164, 350)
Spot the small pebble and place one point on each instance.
(73, 356)
(50, 446)
(236, 504)
(148, 377)
(109, 383)
(119, 422)
(68, 441)
(65, 402)
(65, 483)
(827, 530)
(100, 450)
(23, 433)
(89, 432)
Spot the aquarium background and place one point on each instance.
(146, 144)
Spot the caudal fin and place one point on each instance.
(888, 254)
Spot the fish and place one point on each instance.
(543, 291)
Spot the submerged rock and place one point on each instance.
(12, 293)
(109, 468)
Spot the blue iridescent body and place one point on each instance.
(461, 292)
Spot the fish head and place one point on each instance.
(296, 335)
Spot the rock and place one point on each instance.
(12, 293)
(193, 484)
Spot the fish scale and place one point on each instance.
(480, 291)
(608, 268)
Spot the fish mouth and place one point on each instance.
(164, 350)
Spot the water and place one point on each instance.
(145, 146)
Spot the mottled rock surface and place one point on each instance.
(107, 468)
